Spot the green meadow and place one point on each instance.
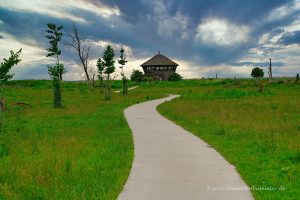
(85, 150)
(258, 133)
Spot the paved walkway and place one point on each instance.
(131, 88)
(171, 163)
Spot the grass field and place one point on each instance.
(258, 133)
(85, 150)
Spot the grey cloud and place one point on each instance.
(138, 27)
(290, 38)
(258, 64)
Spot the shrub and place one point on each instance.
(175, 77)
(287, 82)
(280, 82)
(147, 79)
(136, 76)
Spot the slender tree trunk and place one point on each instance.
(124, 82)
(87, 75)
(57, 87)
(260, 86)
(60, 72)
(108, 95)
(84, 65)
(57, 93)
(270, 71)
(93, 80)
(126, 87)
(101, 84)
(108, 89)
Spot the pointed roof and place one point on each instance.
(159, 60)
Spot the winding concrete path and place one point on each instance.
(171, 163)
(131, 88)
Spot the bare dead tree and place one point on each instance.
(115, 76)
(270, 71)
(83, 50)
(92, 74)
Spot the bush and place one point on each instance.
(147, 79)
(280, 82)
(257, 73)
(175, 77)
(136, 76)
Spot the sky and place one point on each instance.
(205, 37)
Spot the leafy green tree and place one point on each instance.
(100, 67)
(175, 77)
(55, 71)
(122, 61)
(8, 64)
(258, 73)
(136, 76)
(4, 77)
(108, 62)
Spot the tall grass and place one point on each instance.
(83, 151)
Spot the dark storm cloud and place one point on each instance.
(23, 25)
(249, 13)
(290, 38)
(142, 26)
(213, 55)
(235, 10)
(132, 10)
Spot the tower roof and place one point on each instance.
(159, 60)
